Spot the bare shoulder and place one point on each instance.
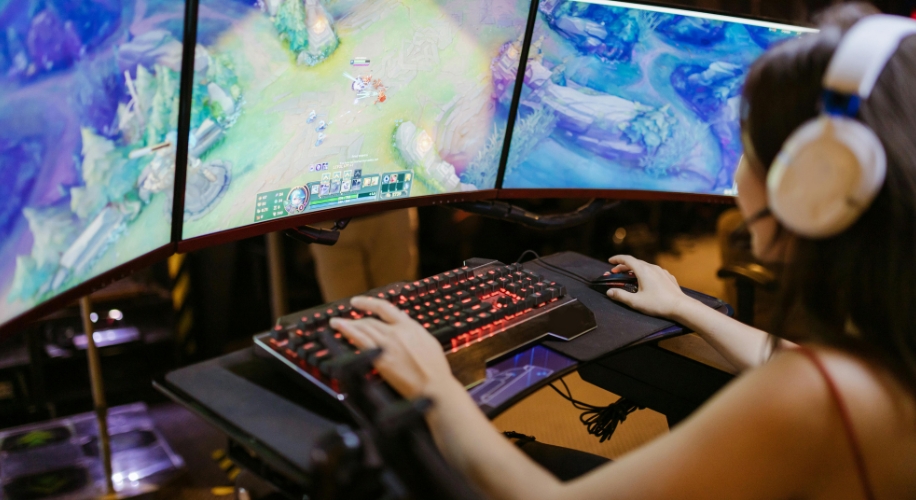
(882, 414)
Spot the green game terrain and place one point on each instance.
(431, 58)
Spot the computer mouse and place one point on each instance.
(626, 281)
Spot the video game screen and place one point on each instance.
(306, 105)
(634, 97)
(88, 126)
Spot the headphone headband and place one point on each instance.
(864, 52)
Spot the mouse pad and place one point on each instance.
(618, 325)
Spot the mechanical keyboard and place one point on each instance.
(479, 313)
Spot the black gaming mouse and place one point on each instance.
(626, 281)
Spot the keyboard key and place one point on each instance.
(304, 351)
(318, 356)
(445, 335)
(278, 333)
(295, 341)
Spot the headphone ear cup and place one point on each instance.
(827, 174)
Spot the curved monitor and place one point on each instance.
(635, 99)
(306, 106)
(88, 126)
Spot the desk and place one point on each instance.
(273, 424)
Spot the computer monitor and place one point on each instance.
(633, 100)
(306, 106)
(88, 127)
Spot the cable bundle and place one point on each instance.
(601, 421)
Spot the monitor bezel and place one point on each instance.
(186, 100)
(622, 194)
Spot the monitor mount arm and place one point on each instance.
(505, 211)
(318, 236)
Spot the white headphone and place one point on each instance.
(832, 167)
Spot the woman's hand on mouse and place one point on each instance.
(412, 360)
(658, 295)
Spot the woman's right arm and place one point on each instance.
(660, 295)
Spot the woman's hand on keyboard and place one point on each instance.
(658, 295)
(412, 360)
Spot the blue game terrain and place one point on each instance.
(88, 118)
(630, 98)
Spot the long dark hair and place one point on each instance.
(856, 290)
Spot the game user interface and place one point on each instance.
(634, 97)
(88, 126)
(305, 105)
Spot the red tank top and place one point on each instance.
(847, 422)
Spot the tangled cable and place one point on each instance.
(601, 421)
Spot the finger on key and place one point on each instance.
(384, 309)
(354, 331)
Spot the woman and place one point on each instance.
(833, 420)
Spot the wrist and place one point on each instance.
(442, 389)
(685, 310)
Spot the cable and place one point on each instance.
(526, 252)
(601, 421)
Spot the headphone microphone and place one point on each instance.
(832, 167)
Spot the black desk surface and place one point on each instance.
(259, 407)
(256, 405)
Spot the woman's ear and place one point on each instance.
(769, 242)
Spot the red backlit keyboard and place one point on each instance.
(478, 313)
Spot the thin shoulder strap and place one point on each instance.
(847, 421)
